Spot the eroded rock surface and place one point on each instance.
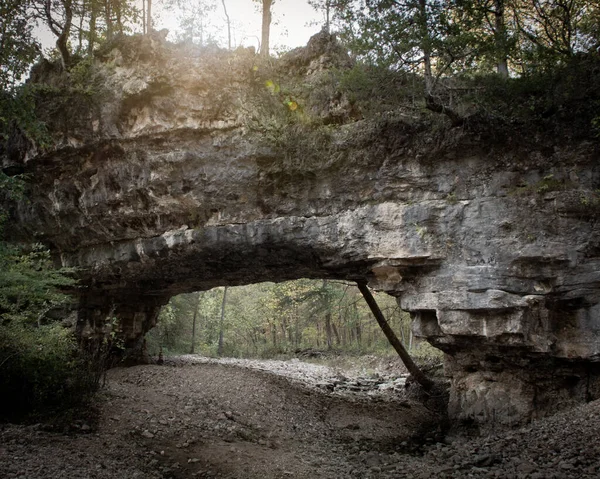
(201, 169)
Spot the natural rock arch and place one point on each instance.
(169, 186)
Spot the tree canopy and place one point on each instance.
(437, 37)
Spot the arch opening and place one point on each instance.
(304, 317)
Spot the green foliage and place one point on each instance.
(374, 88)
(18, 117)
(41, 370)
(41, 367)
(468, 35)
(18, 48)
(269, 320)
(83, 78)
(564, 101)
(29, 285)
(194, 20)
(172, 333)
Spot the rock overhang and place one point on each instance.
(171, 185)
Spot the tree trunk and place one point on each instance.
(298, 329)
(143, 17)
(149, 18)
(335, 333)
(266, 27)
(119, 16)
(63, 37)
(222, 323)
(194, 323)
(328, 329)
(201, 32)
(273, 334)
(432, 103)
(108, 19)
(80, 34)
(425, 46)
(358, 326)
(92, 36)
(413, 369)
(500, 38)
(228, 25)
(402, 336)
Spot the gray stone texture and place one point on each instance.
(182, 179)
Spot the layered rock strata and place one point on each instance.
(195, 171)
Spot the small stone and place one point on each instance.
(526, 467)
(147, 434)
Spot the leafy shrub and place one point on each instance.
(41, 366)
(41, 370)
(564, 100)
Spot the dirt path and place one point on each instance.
(248, 420)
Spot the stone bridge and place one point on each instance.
(195, 171)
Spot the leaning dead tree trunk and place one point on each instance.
(413, 369)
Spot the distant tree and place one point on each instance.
(222, 323)
(553, 30)
(194, 317)
(418, 36)
(266, 25)
(326, 7)
(498, 26)
(228, 24)
(490, 27)
(18, 48)
(149, 27)
(193, 19)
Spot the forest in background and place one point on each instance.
(269, 320)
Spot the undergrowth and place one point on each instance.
(43, 373)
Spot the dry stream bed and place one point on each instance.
(245, 419)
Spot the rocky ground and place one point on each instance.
(205, 418)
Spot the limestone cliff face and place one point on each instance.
(195, 170)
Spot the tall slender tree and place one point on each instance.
(222, 323)
(195, 316)
(228, 25)
(326, 7)
(149, 27)
(266, 26)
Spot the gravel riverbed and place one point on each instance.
(244, 419)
